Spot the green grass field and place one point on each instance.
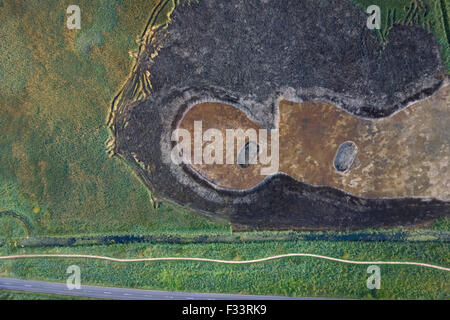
(291, 276)
(17, 295)
(55, 93)
(56, 88)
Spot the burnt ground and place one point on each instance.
(250, 53)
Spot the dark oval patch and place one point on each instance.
(248, 154)
(345, 156)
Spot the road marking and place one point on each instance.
(287, 255)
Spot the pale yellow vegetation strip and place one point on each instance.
(27, 256)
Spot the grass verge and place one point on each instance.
(290, 277)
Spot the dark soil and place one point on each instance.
(248, 53)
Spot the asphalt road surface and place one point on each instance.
(122, 294)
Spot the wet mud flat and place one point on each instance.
(404, 155)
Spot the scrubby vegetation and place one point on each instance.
(291, 276)
(16, 295)
(55, 92)
(431, 15)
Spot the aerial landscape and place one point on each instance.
(213, 149)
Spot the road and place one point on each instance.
(122, 294)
